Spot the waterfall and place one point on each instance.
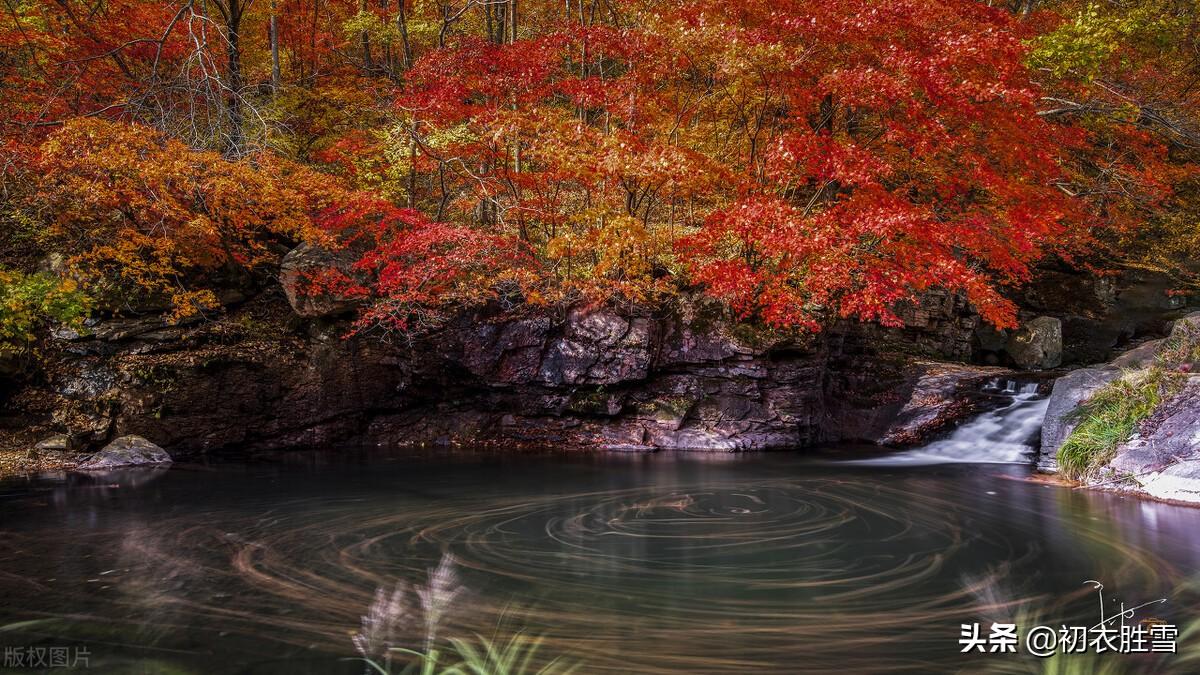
(1006, 435)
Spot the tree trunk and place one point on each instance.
(273, 33)
(233, 28)
(366, 39)
(402, 23)
(512, 21)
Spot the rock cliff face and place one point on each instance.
(275, 372)
(1099, 316)
(608, 378)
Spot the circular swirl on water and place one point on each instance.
(765, 574)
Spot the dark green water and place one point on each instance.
(662, 563)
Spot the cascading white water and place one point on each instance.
(1001, 436)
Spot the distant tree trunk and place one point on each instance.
(402, 24)
(489, 24)
(233, 29)
(366, 39)
(512, 20)
(501, 22)
(412, 175)
(232, 12)
(273, 33)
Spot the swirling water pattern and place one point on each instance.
(632, 564)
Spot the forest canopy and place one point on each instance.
(799, 160)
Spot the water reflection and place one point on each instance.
(647, 563)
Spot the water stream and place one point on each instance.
(1006, 435)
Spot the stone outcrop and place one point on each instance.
(1037, 344)
(296, 275)
(1102, 316)
(619, 378)
(599, 378)
(1075, 388)
(1162, 459)
(126, 451)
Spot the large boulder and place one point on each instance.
(1037, 344)
(296, 275)
(1068, 393)
(127, 451)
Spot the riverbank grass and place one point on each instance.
(1108, 420)
(1113, 414)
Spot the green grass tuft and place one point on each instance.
(1108, 420)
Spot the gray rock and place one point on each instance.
(1078, 386)
(1162, 458)
(1069, 391)
(701, 332)
(89, 382)
(1135, 458)
(127, 451)
(1186, 327)
(1037, 344)
(1138, 357)
(1171, 435)
(55, 443)
(598, 346)
(506, 353)
(1179, 482)
(295, 274)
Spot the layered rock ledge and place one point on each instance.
(621, 379)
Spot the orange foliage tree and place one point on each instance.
(142, 215)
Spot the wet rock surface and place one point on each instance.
(943, 394)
